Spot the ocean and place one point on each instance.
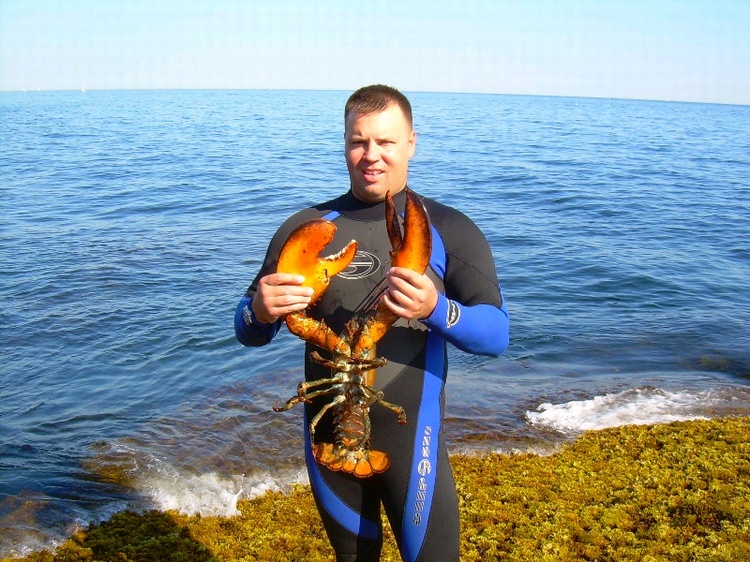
(133, 221)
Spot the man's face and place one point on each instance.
(378, 148)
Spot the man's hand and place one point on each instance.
(279, 294)
(410, 295)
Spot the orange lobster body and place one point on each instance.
(354, 350)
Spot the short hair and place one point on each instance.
(377, 98)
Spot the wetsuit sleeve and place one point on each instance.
(471, 313)
(482, 329)
(248, 330)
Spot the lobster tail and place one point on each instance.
(361, 463)
(351, 451)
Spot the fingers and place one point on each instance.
(282, 279)
(279, 294)
(410, 294)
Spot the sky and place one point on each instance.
(682, 50)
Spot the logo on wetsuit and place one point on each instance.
(454, 313)
(424, 467)
(363, 265)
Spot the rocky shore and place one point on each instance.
(668, 492)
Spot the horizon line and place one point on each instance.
(84, 90)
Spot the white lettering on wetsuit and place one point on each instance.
(424, 467)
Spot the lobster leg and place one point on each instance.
(314, 422)
(289, 404)
(398, 410)
(347, 365)
(303, 387)
(294, 400)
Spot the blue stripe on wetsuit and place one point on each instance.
(425, 457)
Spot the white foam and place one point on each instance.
(631, 407)
(210, 493)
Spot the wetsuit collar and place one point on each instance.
(349, 206)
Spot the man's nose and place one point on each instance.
(371, 151)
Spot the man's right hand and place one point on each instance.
(279, 294)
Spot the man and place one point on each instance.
(457, 300)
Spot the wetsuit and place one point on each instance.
(417, 490)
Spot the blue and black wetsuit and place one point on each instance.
(417, 490)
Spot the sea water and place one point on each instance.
(133, 221)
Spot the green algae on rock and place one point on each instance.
(672, 492)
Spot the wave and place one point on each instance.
(638, 406)
(163, 482)
(211, 494)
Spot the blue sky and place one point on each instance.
(689, 50)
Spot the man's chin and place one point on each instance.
(373, 192)
(370, 193)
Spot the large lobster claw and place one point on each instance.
(300, 255)
(411, 250)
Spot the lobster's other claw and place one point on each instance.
(300, 254)
(413, 249)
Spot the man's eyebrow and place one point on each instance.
(356, 137)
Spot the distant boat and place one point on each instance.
(83, 88)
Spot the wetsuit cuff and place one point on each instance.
(249, 316)
(445, 315)
(248, 330)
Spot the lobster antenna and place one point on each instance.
(372, 299)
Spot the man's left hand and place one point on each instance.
(410, 295)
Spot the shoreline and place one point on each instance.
(674, 491)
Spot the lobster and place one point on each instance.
(354, 360)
